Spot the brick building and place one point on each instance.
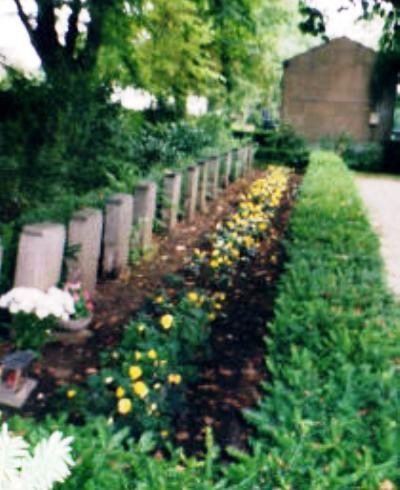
(327, 91)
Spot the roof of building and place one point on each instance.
(324, 45)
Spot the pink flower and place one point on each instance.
(75, 297)
(74, 286)
(86, 294)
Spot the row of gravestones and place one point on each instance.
(41, 246)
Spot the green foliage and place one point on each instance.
(157, 354)
(282, 145)
(109, 459)
(367, 157)
(30, 332)
(330, 415)
(173, 56)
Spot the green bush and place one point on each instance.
(367, 157)
(330, 417)
(282, 145)
(110, 460)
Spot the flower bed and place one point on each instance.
(143, 382)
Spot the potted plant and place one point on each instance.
(35, 314)
(83, 307)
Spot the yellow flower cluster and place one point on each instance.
(245, 228)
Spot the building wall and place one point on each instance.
(326, 91)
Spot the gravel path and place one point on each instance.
(381, 196)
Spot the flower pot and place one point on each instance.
(76, 325)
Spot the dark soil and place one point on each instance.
(231, 376)
(116, 301)
(230, 380)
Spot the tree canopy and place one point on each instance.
(225, 49)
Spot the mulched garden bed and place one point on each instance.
(116, 301)
(230, 379)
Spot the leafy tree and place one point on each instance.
(173, 51)
(89, 26)
(246, 46)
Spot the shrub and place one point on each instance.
(282, 145)
(109, 459)
(367, 157)
(329, 419)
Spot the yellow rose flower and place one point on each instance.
(124, 406)
(152, 354)
(159, 300)
(140, 389)
(119, 392)
(138, 355)
(214, 264)
(174, 379)
(166, 321)
(212, 317)
(71, 393)
(135, 372)
(193, 296)
(141, 327)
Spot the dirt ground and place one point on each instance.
(116, 301)
(230, 378)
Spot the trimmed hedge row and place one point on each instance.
(330, 418)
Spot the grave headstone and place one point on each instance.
(85, 233)
(227, 169)
(171, 199)
(40, 255)
(144, 212)
(117, 233)
(213, 178)
(202, 197)
(192, 192)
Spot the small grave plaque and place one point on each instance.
(15, 385)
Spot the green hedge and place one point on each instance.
(330, 418)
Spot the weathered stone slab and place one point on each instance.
(144, 212)
(117, 233)
(213, 178)
(19, 398)
(171, 199)
(242, 158)
(40, 255)
(235, 164)
(85, 231)
(202, 197)
(253, 149)
(193, 173)
(226, 179)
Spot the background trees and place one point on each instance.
(61, 133)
